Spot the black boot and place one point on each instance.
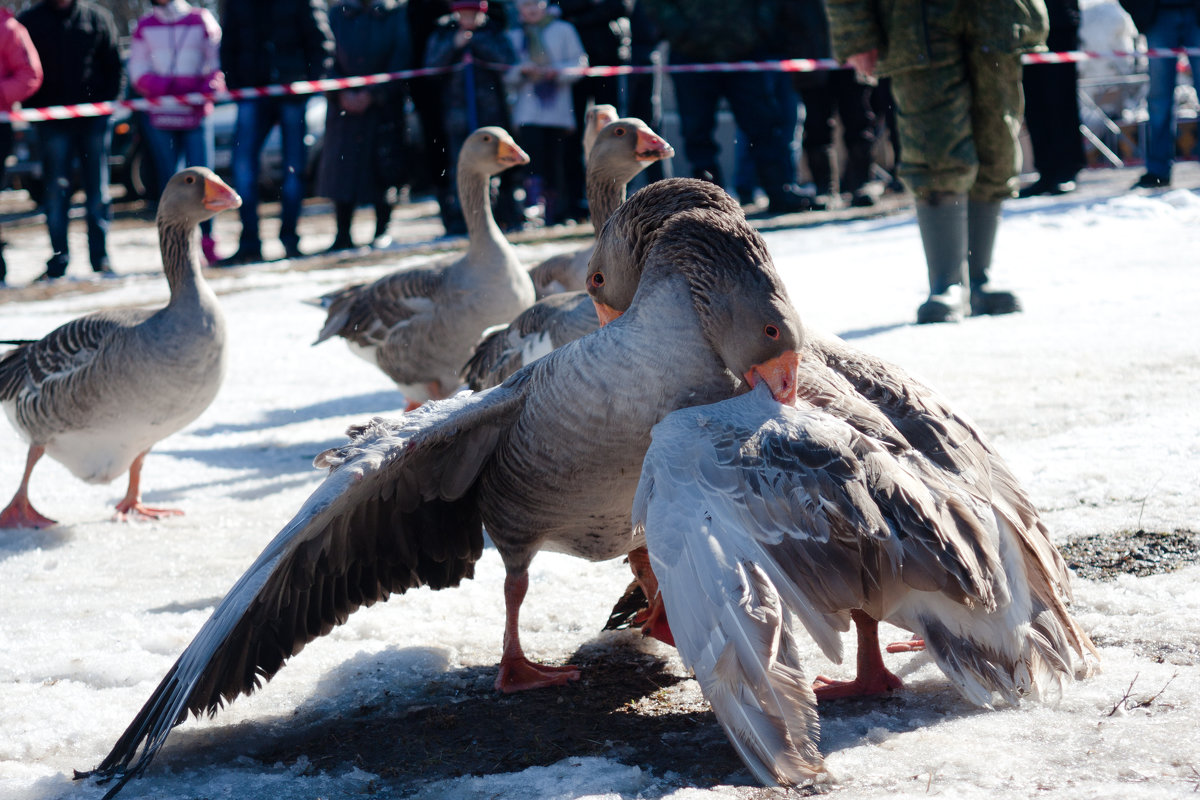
(820, 166)
(942, 220)
(983, 218)
(344, 214)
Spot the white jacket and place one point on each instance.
(564, 50)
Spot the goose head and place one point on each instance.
(623, 148)
(616, 264)
(489, 151)
(742, 305)
(595, 119)
(194, 195)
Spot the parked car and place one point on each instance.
(129, 163)
(131, 166)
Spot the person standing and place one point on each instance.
(364, 128)
(269, 42)
(711, 31)
(1052, 108)
(604, 29)
(20, 76)
(175, 49)
(955, 67)
(77, 43)
(473, 96)
(542, 111)
(1165, 24)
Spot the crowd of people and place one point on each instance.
(951, 99)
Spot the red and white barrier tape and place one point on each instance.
(334, 84)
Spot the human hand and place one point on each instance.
(354, 101)
(864, 65)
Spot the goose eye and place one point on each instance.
(189, 179)
(487, 138)
(597, 280)
(619, 132)
(771, 331)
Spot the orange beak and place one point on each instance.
(652, 148)
(218, 196)
(510, 155)
(606, 313)
(780, 376)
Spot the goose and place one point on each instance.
(98, 392)
(420, 325)
(760, 518)
(618, 152)
(405, 501)
(881, 400)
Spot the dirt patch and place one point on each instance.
(1140, 553)
(629, 705)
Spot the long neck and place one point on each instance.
(605, 192)
(474, 195)
(179, 244)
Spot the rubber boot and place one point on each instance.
(983, 218)
(942, 220)
(344, 215)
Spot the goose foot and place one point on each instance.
(521, 674)
(139, 511)
(915, 645)
(20, 513)
(653, 618)
(872, 676)
(862, 686)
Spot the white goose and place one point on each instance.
(420, 325)
(97, 393)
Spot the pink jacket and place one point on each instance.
(175, 50)
(20, 67)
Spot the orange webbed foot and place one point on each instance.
(862, 686)
(521, 674)
(126, 511)
(915, 645)
(23, 515)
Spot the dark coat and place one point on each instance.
(710, 31)
(364, 152)
(78, 50)
(268, 42)
(489, 45)
(603, 28)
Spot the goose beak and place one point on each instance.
(606, 313)
(652, 148)
(779, 373)
(218, 196)
(510, 155)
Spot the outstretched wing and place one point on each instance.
(397, 511)
(543, 327)
(366, 312)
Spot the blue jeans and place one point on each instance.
(62, 141)
(756, 110)
(174, 149)
(1173, 27)
(255, 119)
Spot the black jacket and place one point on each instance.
(81, 62)
(266, 42)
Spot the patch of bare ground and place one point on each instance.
(629, 705)
(1138, 553)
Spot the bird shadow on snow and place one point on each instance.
(14, 541)
(381, 403)
(402, 715)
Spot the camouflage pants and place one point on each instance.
(958, 125)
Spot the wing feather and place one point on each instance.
(395, 512)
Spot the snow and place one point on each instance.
(1089, 394)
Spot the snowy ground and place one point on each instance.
(1090, 394)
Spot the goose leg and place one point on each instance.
(654, 618)
(132, 501)
(20, 513)
(517, 673)
(872, 678)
